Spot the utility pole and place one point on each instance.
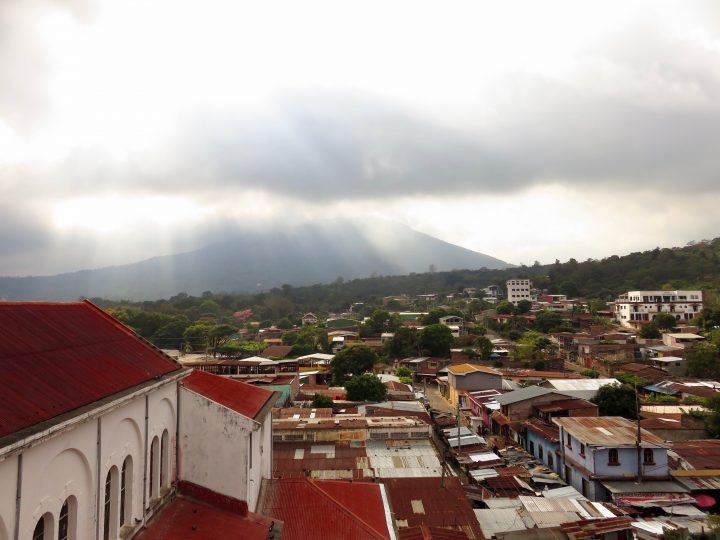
(638, 440)
(458, 425)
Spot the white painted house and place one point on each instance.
(638, 307)
(92, 420)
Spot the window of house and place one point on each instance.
(39, 531)
(109, 529)
(164, 459)
(251, 449)
(550, 460)
(540, 452)
(568, 441)
(648, 457)
(613, 458)
(67, 524)
(126, 491)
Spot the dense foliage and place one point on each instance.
(365, 387)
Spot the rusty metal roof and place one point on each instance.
(430, 533)
(57, 357)
(326, 508)
(547, 431)
(236, 395)
(612, 431)
(699, 454)
(422, 501)
(198, 514)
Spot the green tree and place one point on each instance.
(548, 321)
(217, 335)
(403, 371)
(649, 331)
(170, 336)
(484, 347)
(365, 387)
(505, 308)
(195, 336)
(405, 342)
(320, 401)
(616, 400)
(712, 418)
(703, 362)
(436, 340)
(664, 321)
(353, 360)
(523, 306)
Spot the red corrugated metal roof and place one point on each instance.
(55, 358)
(187, 519)
(422, 501)
(430, 533)
(313, 509)
(234, 394)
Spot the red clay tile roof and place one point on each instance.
(313, 509)
(236, 395)
(57, 357)
(445, 507)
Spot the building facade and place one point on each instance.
(638, 307)
(518, 289)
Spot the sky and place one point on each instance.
(525, 130)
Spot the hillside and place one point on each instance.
(252, 262)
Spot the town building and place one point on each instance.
(469, 377)
(598, 450)
(637, 307)
(518, 289)
(102, 436)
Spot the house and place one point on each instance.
(455, 323)
(643, 371)
(637, 307)
(471, 377)
(682, 339)
(100, 432)
(582, 388)
(596, 450)
(277, 352)
(309, 319)
(517, 406)
(673, 365)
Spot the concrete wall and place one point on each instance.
(73, 463)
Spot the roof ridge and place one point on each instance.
(362, 522)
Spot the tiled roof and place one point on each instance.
(326, 509)
(57, 357)
(462, 369)
(236, 395)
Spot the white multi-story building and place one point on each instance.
(637, 307)
(102, 436)
(519, 289)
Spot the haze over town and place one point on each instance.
(528, 131)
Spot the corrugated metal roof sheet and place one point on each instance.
(184, 519)
(499, 520)
(612, 431)
(236, 395)
(55, 358)
(446, 507)
(326, 509)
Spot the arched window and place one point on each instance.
(648, 456)
(154, 468)
(126, 483)
(164, 459)
(67, 524)
(43, 528)
(613, 458)
(110, 519)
